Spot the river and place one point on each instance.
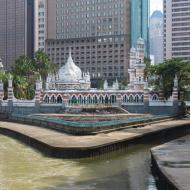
(23, 168)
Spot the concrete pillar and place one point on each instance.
(10, 90)
(38, 91)
(119, 100)
(175, 89)
(1, 91)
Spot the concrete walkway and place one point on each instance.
(44, 139)
(173, 162)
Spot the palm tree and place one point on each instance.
(43, 65)
(24, 66)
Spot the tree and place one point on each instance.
(43, 65)
(4, 79)
(26, 71)
(164, 74)
(24, 66)
(24, 77)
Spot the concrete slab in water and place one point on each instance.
(173, 161)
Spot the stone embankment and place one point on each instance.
(171, 162)
(62, 145)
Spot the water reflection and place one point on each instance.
(21, 168)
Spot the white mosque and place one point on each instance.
(71, 87)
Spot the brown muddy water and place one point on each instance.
(23, 168)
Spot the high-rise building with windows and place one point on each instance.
(177, 29)
(156, 36)
(140, 22)
(40, 24)
(16, 30)
(98, 31)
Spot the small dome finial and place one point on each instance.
(70, 52)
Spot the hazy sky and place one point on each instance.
(155, 5)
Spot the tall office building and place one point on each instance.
(98, 31)
(16, 30)
(140, 22)
(177, 29)
(156, 36)
(40, 24)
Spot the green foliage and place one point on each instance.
(43, 65)
(4, 79)
(26, 71)
(122, 84)
(164, 74)
(97, 83)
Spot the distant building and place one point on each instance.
(16, 30)
(177, 29)
(99, 33)
(140, 22)
(40, 23)
(156, 36)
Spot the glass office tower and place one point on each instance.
(140, 22)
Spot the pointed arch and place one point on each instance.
(136, 98)
(74, 99)
(46, 99)
(101, 99)
(53, 99)
(131, 98)
(95, 99)
(155, 97)
(125, 98)
(142, 98)
(80, 99)
(106, 99)
(113, 99)
(59, 99)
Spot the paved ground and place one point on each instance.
(57, 139)
(173, 160)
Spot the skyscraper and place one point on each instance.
(98, 31)
(140, 22)
(16, 30)
(40, 24)
(156, 36)
(177, 29)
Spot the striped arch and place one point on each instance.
(137, 98)
(89, 99)
(131, 98)
(73, 99)
(59, 99)
(101, 99)
(53, 98)
(95, 99)
(113, 98)
(142, 98)
(125, 98)
(46, 98)
(154, 97)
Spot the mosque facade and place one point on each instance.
(70, 87)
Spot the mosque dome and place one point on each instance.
(69, 73)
